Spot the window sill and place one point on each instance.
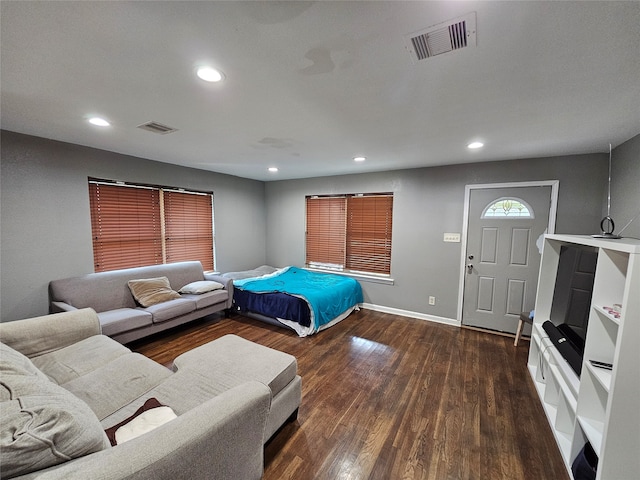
(384, 280)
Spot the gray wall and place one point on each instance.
(427, 203)
(45, 222)
(625, 187)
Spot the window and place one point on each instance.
(188, 227)
(326, 231)
(350, 232)
(136, 225)
(508, 208)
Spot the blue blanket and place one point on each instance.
(327, 294)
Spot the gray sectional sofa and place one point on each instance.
(122, 317)
(63, 383)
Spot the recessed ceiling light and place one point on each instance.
(99, 122)
(359, 159)
(273, 169)
(209, 74)
(474, 145)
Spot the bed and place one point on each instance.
(300, 299)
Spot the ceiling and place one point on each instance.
(310, 85)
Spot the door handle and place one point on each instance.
(469, 268)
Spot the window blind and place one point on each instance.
(125, 226)
(369, 222)
(326, 232)
(138, 225)
(188, 227)
(350, 232)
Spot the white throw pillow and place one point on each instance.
(150, 415)
(202, 286)
(143, 423)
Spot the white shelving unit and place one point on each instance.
(602, 406)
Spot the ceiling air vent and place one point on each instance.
(442, 38)
(156, 127)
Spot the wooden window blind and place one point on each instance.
(326, 232)
(135, 225)
(188, 227)
(369, 221)
(125, 225)
(351, 232)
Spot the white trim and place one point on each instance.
(551, 227)
(408, 313)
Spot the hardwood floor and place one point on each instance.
(388, 397)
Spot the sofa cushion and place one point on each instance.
(204, 300)
(117, 383)
(202, 286)
(43, 425)
(123, 319)
(238, 360)
(80, 358)
(151, 291)
(183, 391)
(169, 310)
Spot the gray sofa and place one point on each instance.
(62, 383)
(121, 317)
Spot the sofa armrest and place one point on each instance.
(221, 439)
(227, 282)
(39, 335)
(57, 307)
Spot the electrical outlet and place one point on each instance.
(432, 300)
(452, 237)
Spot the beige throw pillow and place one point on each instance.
(151, 291)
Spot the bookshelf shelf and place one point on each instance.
(600, 406)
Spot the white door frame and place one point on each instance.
(554, 184)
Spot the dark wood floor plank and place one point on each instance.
(387, 397)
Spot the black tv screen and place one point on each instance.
(572, 301)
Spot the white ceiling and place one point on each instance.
(310, 85)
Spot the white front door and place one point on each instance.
(502, 259)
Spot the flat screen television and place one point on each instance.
(571, 304)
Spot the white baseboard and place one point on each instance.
(408, 313)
